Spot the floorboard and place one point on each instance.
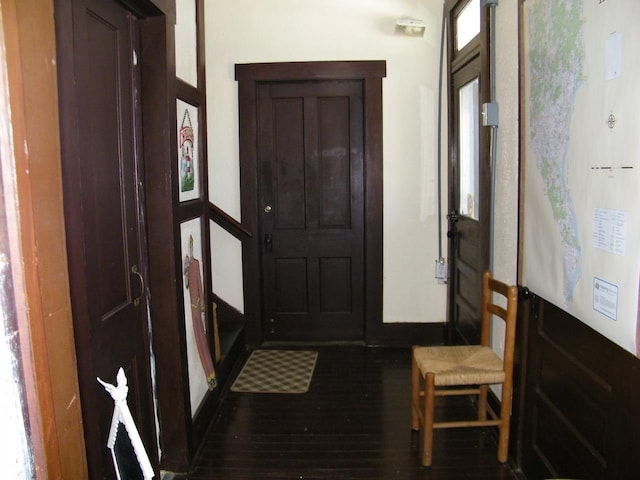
(353, 423)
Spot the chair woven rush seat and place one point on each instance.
(470, 364)
(470, 368)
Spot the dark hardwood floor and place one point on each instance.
(354, 423)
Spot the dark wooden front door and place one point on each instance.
(311, 209)
(469, 174)
(104, 215)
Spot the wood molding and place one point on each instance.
(45, 325)
(269, 72)
(230, 224)
(160, 150)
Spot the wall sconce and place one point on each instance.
(410, 26)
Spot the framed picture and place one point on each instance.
(202, 375)
(188, 161)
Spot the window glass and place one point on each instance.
(469, 149)
(467, 24)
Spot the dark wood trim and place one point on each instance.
(373, 226)
(152, 8)
(201, 47)
(270, 72)
(582, 397)
(520, 377)
(452, 160)
(248, 76)
(189, 93)
(248, 202)
(160, 147)
(486, 202)
(521, 144)
(230, 224)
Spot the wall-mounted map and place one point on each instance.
(581, 133)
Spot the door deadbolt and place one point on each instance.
(268, 242)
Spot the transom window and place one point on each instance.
(467, 24)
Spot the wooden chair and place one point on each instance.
(469, 369)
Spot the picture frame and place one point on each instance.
(188, 162)
(200, 363)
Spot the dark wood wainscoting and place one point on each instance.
(582, 401)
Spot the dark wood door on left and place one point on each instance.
(105, 227)
(311, 209)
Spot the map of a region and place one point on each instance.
(556, 63)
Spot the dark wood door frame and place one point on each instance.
(371, 74)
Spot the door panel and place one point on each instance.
(469, 227)
(469, 171)
(311, 210)
(104, 217)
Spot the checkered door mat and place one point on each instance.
(276, 371)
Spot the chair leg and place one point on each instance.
(505, 421)
(482, 402)
(415, 394)
(427, 430)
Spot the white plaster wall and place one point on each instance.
(186, 45)
(246, 31)
(226, 259)
(505, 228)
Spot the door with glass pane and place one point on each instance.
(469, 176)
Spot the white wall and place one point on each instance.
(246, 31)
(186, 43)
(507, 83)
(505, 228)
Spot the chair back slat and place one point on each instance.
(498, 311)
(490, 308)
(498, 286)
